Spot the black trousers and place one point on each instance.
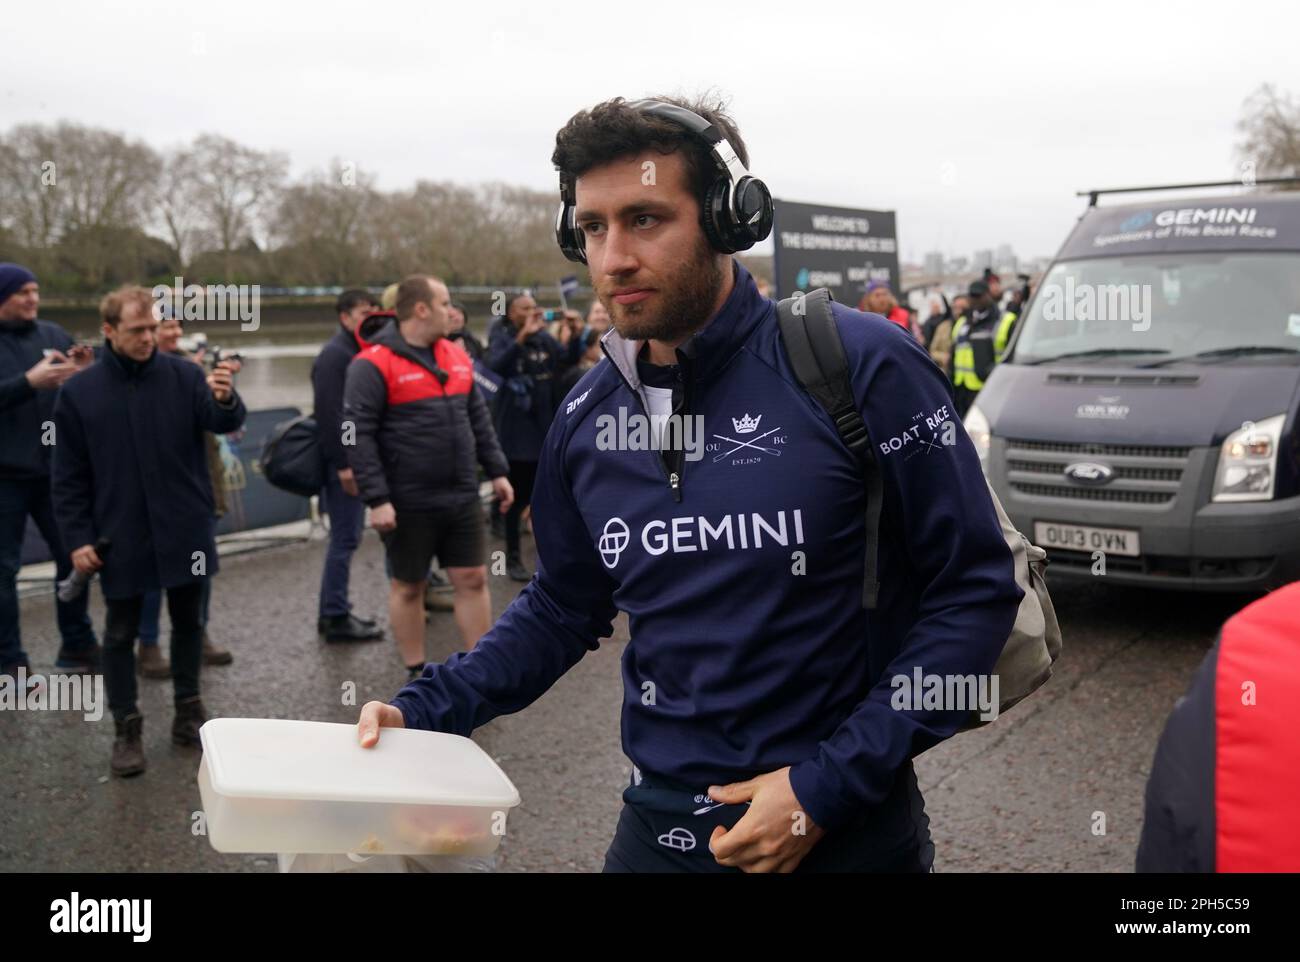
(963, 398)
(522, 476)
(664, 828)
(184, 605)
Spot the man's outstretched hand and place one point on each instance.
(774, 835)
(374, 716)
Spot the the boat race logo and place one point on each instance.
(931, 430)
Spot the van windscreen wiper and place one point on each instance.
(1097, 352)
(1225, 352)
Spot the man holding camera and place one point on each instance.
(36, 357)
(131, 467)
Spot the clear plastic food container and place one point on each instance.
(308, 787)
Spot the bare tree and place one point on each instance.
(322, 226)
(79, 187)
(30, 200)
(82, 203)
(232, 186)
(1270, 128)
(176, 211)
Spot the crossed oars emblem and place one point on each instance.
(747, 444)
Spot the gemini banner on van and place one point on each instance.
(1246, 222)
(840, 248)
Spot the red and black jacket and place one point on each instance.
(1224, 786)
(422, 429)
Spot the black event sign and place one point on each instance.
(840, 248)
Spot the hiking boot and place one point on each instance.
(150, 663)
(128, 746)
(516, 570)
(190, 717)
(212, 655)
(350, 628)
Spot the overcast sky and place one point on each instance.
(975, 122)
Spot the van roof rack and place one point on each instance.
(1092, 195)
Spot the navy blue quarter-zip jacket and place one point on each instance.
(742, 578)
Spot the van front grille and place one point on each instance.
(1142, 474)
(1093, 494)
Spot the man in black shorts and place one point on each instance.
(421, 430)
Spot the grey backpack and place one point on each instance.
(812, 342)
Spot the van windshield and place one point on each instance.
(1153, 307)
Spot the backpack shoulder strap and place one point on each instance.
(812, 342)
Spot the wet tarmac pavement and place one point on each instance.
(1020, 795)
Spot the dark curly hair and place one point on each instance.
(613, 130)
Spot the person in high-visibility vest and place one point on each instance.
(1010, 313)
(979, 338)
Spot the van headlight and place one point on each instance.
(977, 426)
(1248, 461)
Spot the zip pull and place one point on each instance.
(675, 482)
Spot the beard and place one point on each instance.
(683, 301)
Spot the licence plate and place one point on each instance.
(1078, 537)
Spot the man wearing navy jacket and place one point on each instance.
(36, 357)
(340, 497)
(131, 466)
(757, 698)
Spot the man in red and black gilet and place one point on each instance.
(421, 431)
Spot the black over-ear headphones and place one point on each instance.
(736, 209)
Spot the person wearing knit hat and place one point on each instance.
(36, 357)
(879, 299)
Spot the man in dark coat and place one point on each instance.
(339, 497)
(35, 358)
(131, 466)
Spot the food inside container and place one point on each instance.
(303, 787)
